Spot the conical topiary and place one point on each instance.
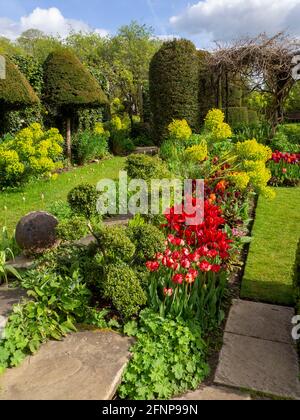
(174, 85)
(69, 86)
(15, 91)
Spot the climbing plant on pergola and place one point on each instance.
(265, 63)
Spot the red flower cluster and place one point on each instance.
(193, 249)
(290, 158)
(208, 237)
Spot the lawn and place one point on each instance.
(269, 270)
(40, 195)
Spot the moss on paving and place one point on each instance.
(41, 194)
(269, 273)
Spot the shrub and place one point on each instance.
(221, 132)
(252, 150)
(15, 91)
(174, 80)
(90, 145)
(292, 131)
(31, 152)
(83, 200)
(146, 168)
(123, 288)
(122, 146)
(168, 358)
(238, 116)
(179, 130)
(115, 244)
(213, 118)
(197, 153)
(148, 240)
(282, 143)
(72, 229)
(253, 118)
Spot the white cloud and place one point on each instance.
(229, 19)
(51, 21)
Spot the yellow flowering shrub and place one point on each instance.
(197, 153)
(214, 118)
(221, 131)
(11, 169)
(100, 130)
(240, 180)
(31, 152)
(252, 150)
(116, 123)
(258, 173)
(179, 130)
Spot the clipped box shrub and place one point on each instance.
(146, 168)
(148, 240)
(174, 84)
(83, 200)
(123, 288)
(237, 116)
(253, 118)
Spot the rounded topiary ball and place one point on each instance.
(36, 232)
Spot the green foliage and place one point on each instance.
(68, 84)
(83, 200)
(31, 152)
(72, 229)
(122, 286)
(292, 131)
(174, 81)
(57, 304)
(148, 240)
(168, 358)
(281, 143)
(253, 118)
(237, 116)
(89, 145)
(115, 243)
(15, 90)
(146, 168)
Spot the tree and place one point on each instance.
(37, 44)
(15, 91)
(265, 63)
(69, 86)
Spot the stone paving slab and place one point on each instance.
(8, 298)
(214, 393)
(259, 365)
(84, 366)
(258, 320)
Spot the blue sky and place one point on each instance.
(201, 21)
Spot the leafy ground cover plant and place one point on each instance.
(56, 305)
(168, 358)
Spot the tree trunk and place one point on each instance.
(69, 140)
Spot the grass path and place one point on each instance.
(39, 195)
(270, 268)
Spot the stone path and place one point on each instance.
(215, 393)
(258, 353)
(84, 366)
(152, 150)
(8, 298)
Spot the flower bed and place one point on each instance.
(285, 168)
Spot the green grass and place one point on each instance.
(269, 273)
(53, 191)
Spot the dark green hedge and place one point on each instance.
(15, 90)
(237, 116)
(174, 82)
(253, 118)
(68, 84)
